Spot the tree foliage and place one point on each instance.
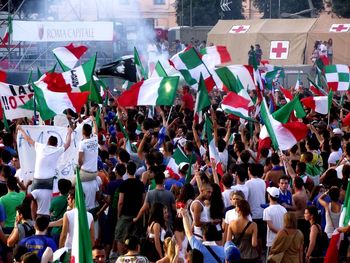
(206, 12)
(287, 6)
(341, 8)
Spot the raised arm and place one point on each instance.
(68, 139)
(26, 136)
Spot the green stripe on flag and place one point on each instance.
(266, 118)
(160, 70)
(203, 99)
(188, 77)
(45, 112)
(167, 91)
(84, 250)
(191, 59)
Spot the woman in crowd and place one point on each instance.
(288, 244)
(244, 233)
(132, 244)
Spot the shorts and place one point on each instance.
(125, 226)
(261, 229)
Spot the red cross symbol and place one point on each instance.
(239, 29)
(279, 50)
(339, 28)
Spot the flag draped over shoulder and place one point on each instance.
(81, 244)
(283, 135)
(150, 92)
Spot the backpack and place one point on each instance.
(28, 229)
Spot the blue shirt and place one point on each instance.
(38, 244)
(285, 198)
(321, 209)
(208, 257)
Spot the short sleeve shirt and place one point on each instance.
(46, 160)
(90, 149)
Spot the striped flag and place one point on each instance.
(140, 71)
(81, 244)
(68, 56)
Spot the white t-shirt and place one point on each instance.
(90, 188)
(256, 197)
(224, 157)
(90, 149)
(43, 198)
(70, 216)
(46, 160)
(334, 157)
(243, 188)
(275, 214)
(226, 197)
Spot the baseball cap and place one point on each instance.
(273, 191)
(232, 253)
(338, 131)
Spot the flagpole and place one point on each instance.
(34, 108)
(167, 121)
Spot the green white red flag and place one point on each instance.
(319, 104)
(237, 105)
(140, 70)
(68, 56)
(202, 99)
(150, 92)
(215, 55)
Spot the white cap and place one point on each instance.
(338, 131)
(273, 191)
(182, 165)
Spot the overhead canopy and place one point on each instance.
(283, 41)
(336, 29)
(243, 34)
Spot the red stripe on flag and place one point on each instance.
(309, 102)
(224, 55)
(209, 83)
(332, 86)
(316, 91)
(286, 93)
(78, 99)
(298, 129)
(236, 101)
(130, 97)
(76, 51)
(55, 82)
(3, 76)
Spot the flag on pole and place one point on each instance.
(150, 92)
(202, 99)
(191, 66)
(5, 41)
(68, 56)
(315, 89)
(287, 94)
(159, 71)
(287, 111)
(229, 74)
(216, 55)
(140, 71)
(283, 135)
(272, 77)
(237, 105)
(338, 77)
(345, 211)
(51, 103)
(319, 104)
(176, 159)
(81, 243)
(321, 62)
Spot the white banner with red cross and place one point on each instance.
(279, 49)
(339, 28)
(239, 29)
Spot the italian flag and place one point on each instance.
(315, 89)
(159, 71)
(202, 99)
(150, 92)
(237, 105)
(216, 55)
(6, 38)
(68, 56)
(213, 151)
(319, 104)
(51, 103)
(338, 77)
(173, 165)
(283, 136)
(243, 72)
(291, 109)
(140, 71)
(191, 66)
(77, 79)
(81, 244)
(286, 93)
(272, 77)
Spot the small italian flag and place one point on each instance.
(294, 107)
(202, 99)
(173, 165)
(230, 73)
(319, 104)
(77, 79)
(338, 77)
(81, 244)
(237, 105)
(283, 136)
(286, 93)
(52, 103)
(191, 66)
(150, 92)
(217, 55)
(68, 56)
(140, 71)
(315, 89)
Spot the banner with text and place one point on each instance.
(48, 31)
(13, 96)
(65, 164)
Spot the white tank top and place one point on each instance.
(205, 217)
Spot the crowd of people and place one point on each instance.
(250, 205)
(323, 49)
